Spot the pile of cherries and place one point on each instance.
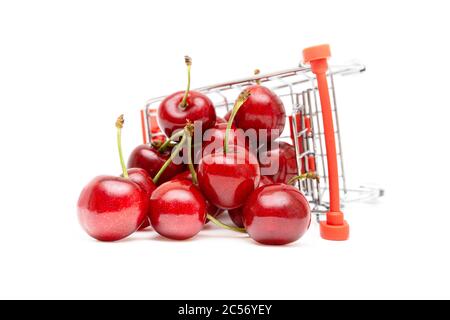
(177, 198)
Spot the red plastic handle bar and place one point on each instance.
(335, 227)
(144, 132)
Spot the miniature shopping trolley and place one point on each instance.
(309, 95)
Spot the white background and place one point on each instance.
(69, 68)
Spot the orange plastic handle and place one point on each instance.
(335, 227)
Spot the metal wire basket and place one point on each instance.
(298, 89)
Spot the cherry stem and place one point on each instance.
(256, 72)
(164, 146)
(189, 150)
(119, 125)
(308, 175)
(223, 225)
(156, 144)
(188, 62)
(174, 153)
(237, 105)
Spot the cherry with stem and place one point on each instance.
(186, 138)
(111, 208)
(176, 109)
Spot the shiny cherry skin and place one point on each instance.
(171, 116)
(210, 208)
(281, 161)
(236, 214)
(276, 214)
(177, 210)
(112, 208)
(147, 157)
(226, 180)
(262, 110)
(142, 179)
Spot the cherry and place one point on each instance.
(182, 106)
(177, 210)
(262, 110)
(276, 214)
(143, 180)
(149, 158)
(281, 161)
(227, 177)
(111, 208)
(210, 208)
(236, 214)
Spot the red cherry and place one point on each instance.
(282, 163)
(276, 214)
(226, 180)
(147, 157)
(172, 117)
(177, 210)
(142, 179)
(112, 208)
(262, 110)
(180, 107)
(210, 208)
(236, 214)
